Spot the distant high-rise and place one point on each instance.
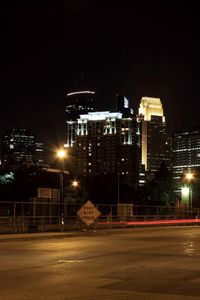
(77, 103)
(123, 105)
(105, 144)
(186, 154)
(40, 154)
(19, 146)
(154, 143)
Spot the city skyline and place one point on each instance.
(49, 48)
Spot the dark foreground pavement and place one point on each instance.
(145, 263)
(44, 235)
(58, 235)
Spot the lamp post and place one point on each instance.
(75, 186)
(61, 154)
(185, 191)
(118, 183)
(118, 190)
(189, 176)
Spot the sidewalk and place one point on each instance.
(94, 232)
(13, 237)
(44, 235)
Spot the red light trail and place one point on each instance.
(157, 222)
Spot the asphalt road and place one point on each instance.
(149, 263)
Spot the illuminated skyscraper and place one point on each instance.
(154, 143)
(77, 103)
(106, 143)
(186, 154)
(123, 106)
(104, 148)
(19, 146)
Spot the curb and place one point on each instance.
(43, 236)
(33, 236)
(85, 233)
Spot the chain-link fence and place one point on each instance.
(50, 216)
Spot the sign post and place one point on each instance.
(88, 213)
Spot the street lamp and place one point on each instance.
(61, 154)
(118, 183)
(75, 188)
(75, 183)
(185, 191)
(189, 176)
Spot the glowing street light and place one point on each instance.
(189, 177)
(185, 191)
(61, 154)
(75, 183)
(185, 195)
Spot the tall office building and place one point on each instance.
(103, 147)
(77, 103)
(155, 146)
(123, 106)
(105, 144)
(19, 146)
(40, 158)
(185, 154)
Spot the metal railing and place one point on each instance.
(49, 216)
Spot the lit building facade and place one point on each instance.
(19, 146)
(40, 154)
(185, 154)
(106, 143)
(77, 103)
(154, 143)
(123, 106)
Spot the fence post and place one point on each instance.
(23, 216)
(65, 212)
(43, 216)
(147, 212)
(14, 216)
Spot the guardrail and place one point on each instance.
(46, 216)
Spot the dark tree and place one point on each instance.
(160, 190)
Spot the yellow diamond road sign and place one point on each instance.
(88, 213)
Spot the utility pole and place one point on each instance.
(118, 183)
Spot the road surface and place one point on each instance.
(149, 263)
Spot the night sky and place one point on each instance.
(47, 47)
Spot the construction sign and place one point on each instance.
(88, 213)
